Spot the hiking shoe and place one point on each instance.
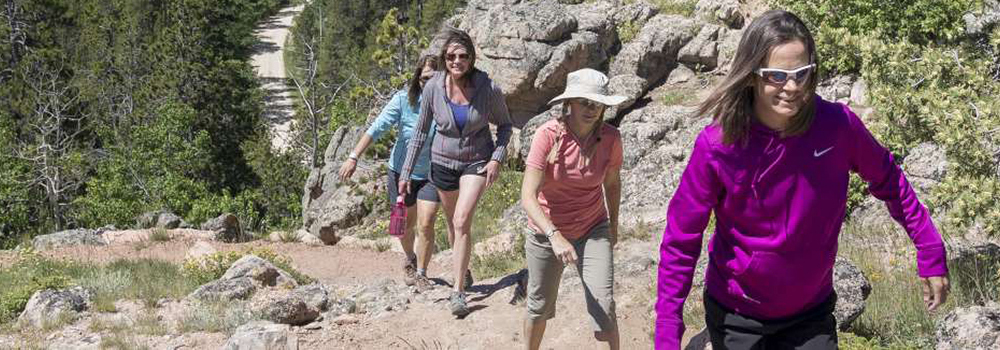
(409, 271)
(423, 283)
(457, 304)
(468, 279)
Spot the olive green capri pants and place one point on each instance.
(596, 269)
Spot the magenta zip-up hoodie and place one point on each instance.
(779, 204)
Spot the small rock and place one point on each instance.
(288, 309)
(703, 50)
(168, 220)
(46, 305)
(852, 288)
(346, 319)
(313, 326)
(316, 296)
(262, 335)
(226, 226)
(225, 289)
(260, 270)
(681, 74)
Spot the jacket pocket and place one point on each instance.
(780, 283)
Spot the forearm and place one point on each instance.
(363, 143)
(534, 211)
(613, 198)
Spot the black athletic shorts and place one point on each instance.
(813, 329)
(447, 179)
(419, 189)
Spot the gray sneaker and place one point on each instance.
(409, 271)
(457, 304)
(423, 283)
(468, 279)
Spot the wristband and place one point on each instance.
(550, 233)
(353, 156)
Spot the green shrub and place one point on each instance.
(29, 274)
(676, 7)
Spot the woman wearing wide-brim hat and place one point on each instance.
(572, 170)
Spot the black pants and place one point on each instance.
(813, 329)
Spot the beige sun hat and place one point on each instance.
(589, 84)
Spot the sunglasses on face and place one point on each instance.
(451, 57)
(781, 76)
(588, 104)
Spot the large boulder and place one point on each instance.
(69, 238)
(260, 270)
(650, 56)
(852, 288)
(656, 141)
(263, 335)
(226, 227)
(970, 328)
(225, 290)
(329, 204)
(160, 219)
(536, 43)
(45, 306)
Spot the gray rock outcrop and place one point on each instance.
(225, 290)
(328, 204)
(725, 11)
(981, 22)
(970, 328)
(160, 219)
(262, 335)
(68, 238)
(45, 306)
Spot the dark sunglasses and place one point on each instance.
(781, 76)
(451, 57)
(588, 104)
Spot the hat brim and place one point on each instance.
(612, 100)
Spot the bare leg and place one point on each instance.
(448, 200)
(533, 332)
(470, 188)
(407, 240)
(426, 213)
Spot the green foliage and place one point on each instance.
(927, 82)
(212, 267)
(628, 30)
(499, 197)
(27, 275)
(499, 264)
(676, 7)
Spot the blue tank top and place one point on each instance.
(461, 113)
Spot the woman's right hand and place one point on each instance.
(347, 169)
(404, 188)
(563, 249)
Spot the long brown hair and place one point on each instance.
(731, 103)
(449, 35)
(415, 89)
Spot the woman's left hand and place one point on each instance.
(935, 290)
(492, 172)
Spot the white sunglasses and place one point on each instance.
(781, 76)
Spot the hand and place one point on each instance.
(404, 188)
(492, 172)
(347, 169)
(936, 290)
(563, 249)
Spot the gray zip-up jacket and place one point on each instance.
(456, 149)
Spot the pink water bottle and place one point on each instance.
(397, 221)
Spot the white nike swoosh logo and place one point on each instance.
(817, 153)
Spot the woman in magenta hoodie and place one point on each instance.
(774, 167)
